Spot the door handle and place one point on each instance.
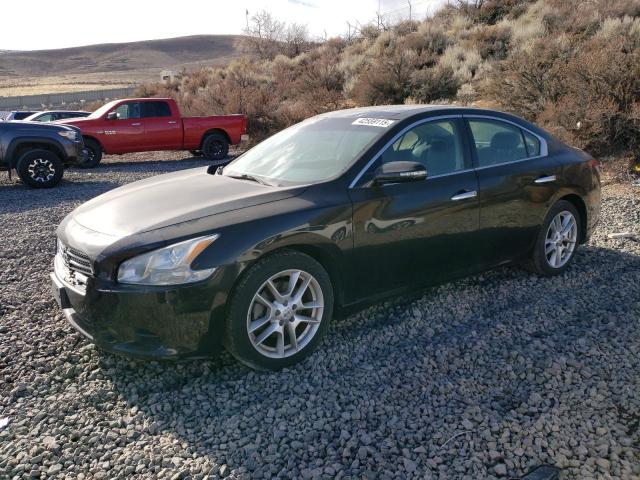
(135, 124)
(547, 179)
(172, 122)
(465, 195)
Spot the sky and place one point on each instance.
(46, 24)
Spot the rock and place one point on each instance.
(409, 465)
(500, 469)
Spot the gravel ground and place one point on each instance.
(481, 378)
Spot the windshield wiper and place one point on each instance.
(245, 176)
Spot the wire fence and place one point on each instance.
(53, 100)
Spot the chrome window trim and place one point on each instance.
(544, 149)
(394, 139)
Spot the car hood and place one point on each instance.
(74, 121)
(172, 198)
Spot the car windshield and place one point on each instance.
(103, 110)
(316, 150)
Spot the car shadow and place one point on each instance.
(238, 417)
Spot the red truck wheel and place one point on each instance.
(215, 147)
(94, 154)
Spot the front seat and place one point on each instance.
(441, 156)
(506, 146)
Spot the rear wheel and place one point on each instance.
(215, 147)
(40, 169)
(557, 241)
(279, 311)
(93, 154)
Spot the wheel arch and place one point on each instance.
(577, 201)
(324, 254)
(21, 145)
(214, 130)
(94, 139)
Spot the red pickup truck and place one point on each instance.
(148, 124)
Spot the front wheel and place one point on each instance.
(557, 241)
(279, 311)
(215, 147)
(93, 154)
(40, 169)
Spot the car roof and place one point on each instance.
(402, 112)
(62, 111)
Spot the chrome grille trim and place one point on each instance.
(76, 260)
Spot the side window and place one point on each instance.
(47, 117)
(128, 110)
(497, 142)
(155, 109)
(437, 145)
(533, 144)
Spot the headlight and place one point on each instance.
(167, 266)
(70, 134)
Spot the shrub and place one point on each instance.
(571, 66)
(431, 84)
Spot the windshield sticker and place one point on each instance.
(373, 122)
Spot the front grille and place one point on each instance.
(75, 260)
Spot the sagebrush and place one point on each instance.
(571, 66)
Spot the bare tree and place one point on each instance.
(296, 39)
(263, 35)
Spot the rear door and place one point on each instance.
(516, 178)
(420, 232)
(125, 133)
(163, 131)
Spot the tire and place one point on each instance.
(40, 169)
(543, 259)
(215, 146)
(94, 154)
(280, 319)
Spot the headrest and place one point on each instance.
(505, 141)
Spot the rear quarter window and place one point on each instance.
(155, 109)
(533, 144)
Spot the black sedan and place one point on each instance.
(337, 211)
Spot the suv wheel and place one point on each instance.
(279, 311)
(40, 169)
(557, 241)
(215, 147)
(93, 152)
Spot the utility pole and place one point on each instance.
(247, 18)
(409, 2)
(379, 19)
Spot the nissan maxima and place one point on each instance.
(338, 211)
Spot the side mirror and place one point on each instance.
(112, 116)
(400, 172)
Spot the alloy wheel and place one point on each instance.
(285, 313)
(41, 170)
(560, 241)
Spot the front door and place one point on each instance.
(516, 179)
(420, 232)
(125, 133)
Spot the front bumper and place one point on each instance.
(74, 152)
(153, 323)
